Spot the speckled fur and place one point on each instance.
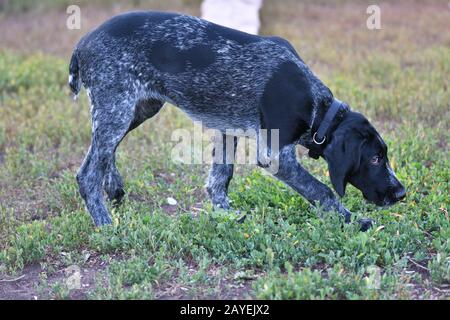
(221, 172)
(135, 62)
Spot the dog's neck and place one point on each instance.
(321, 112)
(318, 116)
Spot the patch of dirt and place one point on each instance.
(229, 288)
(32, 201)
(419, 290)
(169, 209)
(27, 286)
(22, 287)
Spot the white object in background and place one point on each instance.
(242, 15)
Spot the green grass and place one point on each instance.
(282, 250)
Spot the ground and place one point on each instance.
(397, 76)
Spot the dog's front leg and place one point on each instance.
(289, 171)
(294, 175)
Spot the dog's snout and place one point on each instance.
(400, 193)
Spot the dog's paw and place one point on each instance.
(241, 216)
(237, 214)
(365, 224)
(221, 206)
(102, 219)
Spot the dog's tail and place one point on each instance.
(74, 75)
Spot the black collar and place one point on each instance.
(321, 136)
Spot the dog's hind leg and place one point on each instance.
(111, 120)
(221, 171)
(113, 182)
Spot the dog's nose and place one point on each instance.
(400, 193)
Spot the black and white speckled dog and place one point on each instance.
(227, 79)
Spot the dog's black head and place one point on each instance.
(357, 154)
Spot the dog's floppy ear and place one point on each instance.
(343, 155)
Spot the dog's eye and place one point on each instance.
(376, 160)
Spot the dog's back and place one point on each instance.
(215, 74)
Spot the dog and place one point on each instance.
(135, 62)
